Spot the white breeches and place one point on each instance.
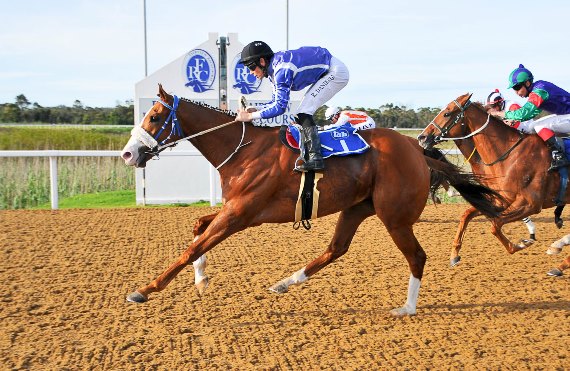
(325, 88)
(559, 124)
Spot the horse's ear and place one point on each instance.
(464, 98)
(162, 93)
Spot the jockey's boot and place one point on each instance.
(558, 154)
(311, 143)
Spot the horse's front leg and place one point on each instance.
(497, 231)
(201, 280)
(222, 226)
(469, 214)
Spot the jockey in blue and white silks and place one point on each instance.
(294, 70)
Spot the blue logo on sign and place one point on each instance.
(246, 83)
(200, 71)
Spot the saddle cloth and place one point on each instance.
(338, 141)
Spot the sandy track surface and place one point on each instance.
(65, 275)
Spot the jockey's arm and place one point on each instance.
(530, 109)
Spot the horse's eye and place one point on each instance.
(447, 114)
(154, 118)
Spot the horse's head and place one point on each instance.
(447, 124)
(159, 127)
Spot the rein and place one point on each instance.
(152, 141)
(445, 130)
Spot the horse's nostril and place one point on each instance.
(126, 155)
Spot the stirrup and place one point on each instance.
(315, 165)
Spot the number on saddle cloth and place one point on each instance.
(339, 141)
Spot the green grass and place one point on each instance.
(111, 199)
(61, 138)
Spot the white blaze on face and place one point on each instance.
(139, 138)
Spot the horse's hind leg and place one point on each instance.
(469, 214)
(201, 280)
(556, 247)
(404, 238)
(558, 216)
(531, 230)
(346, 227)
(558, 271)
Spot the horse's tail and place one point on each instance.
(490, 203)
(436, 177)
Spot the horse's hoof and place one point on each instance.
(554, 272)
(552, 250)
(453, 262)
(279, 288)
(136, 297)
(559, 223)
(525, 243)
(402, 312)
(202, 285)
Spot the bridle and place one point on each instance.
(444, 131)
(151, 142)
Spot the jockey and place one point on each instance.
(542, 95)
(497, 103)
(358, 119)
(294, 70)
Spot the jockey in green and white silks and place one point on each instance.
(542, 96)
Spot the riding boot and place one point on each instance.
(558, 154)
(311, 144)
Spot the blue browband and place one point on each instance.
(171, 119)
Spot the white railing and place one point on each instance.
(54, 154)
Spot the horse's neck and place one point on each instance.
(489, 144)
(215, 145)
(223, 144)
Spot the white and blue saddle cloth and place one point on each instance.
(338, 141)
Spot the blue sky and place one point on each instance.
(409, 52)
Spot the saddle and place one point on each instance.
(338, 141)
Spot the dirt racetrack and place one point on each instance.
(66, 274)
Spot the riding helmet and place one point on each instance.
(255, 50)
(520, 75)
(331, 111)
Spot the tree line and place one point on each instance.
(24, 111)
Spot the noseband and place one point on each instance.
(444, 131)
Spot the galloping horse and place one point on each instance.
(510, 162)
(391, 180)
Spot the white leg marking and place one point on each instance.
(409, 308)
(556, 247)
(283, 285)
(529, 225)
(200, 279)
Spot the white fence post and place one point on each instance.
(53, 182)
(212, 185)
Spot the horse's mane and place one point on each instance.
(204, 105)
(219, 110)
(493, 118)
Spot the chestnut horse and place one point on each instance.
(510, 162)
(391, 180)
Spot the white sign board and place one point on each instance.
(187, 177)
